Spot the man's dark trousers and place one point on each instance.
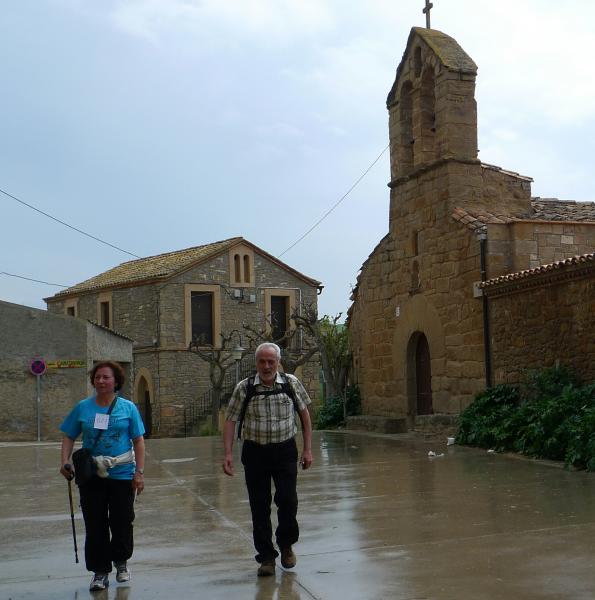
(263, 463)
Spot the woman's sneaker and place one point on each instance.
(122, 572)
(99, 582)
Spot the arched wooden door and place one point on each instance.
(423, 377)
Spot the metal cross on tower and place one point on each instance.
(426, 11)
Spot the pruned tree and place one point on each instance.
(332, 342)
(220, 359)
(298, 347)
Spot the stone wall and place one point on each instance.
(544, 320)
(424, 270)
(29, 333)
(524, 245)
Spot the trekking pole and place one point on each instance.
(76, 555)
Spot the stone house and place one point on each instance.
(163, 302)
(69, 348)
(420, 323)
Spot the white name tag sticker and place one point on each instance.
(101, 421)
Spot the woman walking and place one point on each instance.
(112, 430)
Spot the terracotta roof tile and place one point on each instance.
(150, 268)
(163, 266)
(560, 264)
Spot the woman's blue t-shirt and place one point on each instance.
(124, 425)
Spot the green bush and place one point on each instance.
(548, 416)
(354, 401)
(330, 413)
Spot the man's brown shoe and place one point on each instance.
(288, 558)
(266, 568)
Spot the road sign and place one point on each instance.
(38, 366)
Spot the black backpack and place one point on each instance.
(251, 392)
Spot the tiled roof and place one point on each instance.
(150, 268)
(552, 209)
(542, 209)
(163, 266)
(583, 259)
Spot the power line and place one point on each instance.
(29, 279)
(332, 208)
(67, 225)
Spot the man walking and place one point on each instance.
(264, 406)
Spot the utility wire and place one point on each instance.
(29, 279)
(67, 225)
(332, 208)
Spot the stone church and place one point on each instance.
(472, 265)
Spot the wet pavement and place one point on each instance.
(380, 519)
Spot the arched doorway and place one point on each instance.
(143, 401)
(423, 377)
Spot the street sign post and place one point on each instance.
(38, 368)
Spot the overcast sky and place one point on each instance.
(158, 125)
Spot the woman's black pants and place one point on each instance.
(264, 463)
(108, 511)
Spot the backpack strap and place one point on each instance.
(286, 388)
(250, 393)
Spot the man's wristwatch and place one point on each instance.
(141, 471)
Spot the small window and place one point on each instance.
(246, 268)
(280, 319)
(104, 310)
(70, 311)
(236, 268)
(202, 317)
(417, 62)
(415, 243)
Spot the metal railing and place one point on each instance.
(201, 409)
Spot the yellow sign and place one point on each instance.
(66, 364)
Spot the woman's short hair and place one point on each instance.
(270, 345)
(117, 370)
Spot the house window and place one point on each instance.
(71, 308)
(202, 317)
(280, 319)
(246, 268)
(237, 268)
(241, 266)
(202, 314)
(104, 314)
(279, 305)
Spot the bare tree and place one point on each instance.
(298, 348)
(220, 360)
(332, 342)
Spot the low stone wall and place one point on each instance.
(377, 424)
(437, 423)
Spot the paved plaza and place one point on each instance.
(380, 519)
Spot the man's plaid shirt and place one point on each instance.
(269, 419)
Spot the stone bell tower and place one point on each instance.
(432, 109)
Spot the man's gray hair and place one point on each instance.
(270, 345)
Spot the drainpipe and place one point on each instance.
(483, 240)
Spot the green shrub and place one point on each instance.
(354, 401)
(548, 416)
(206, 429)
(486, 422)
(330, 413)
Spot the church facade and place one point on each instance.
(420, 321)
